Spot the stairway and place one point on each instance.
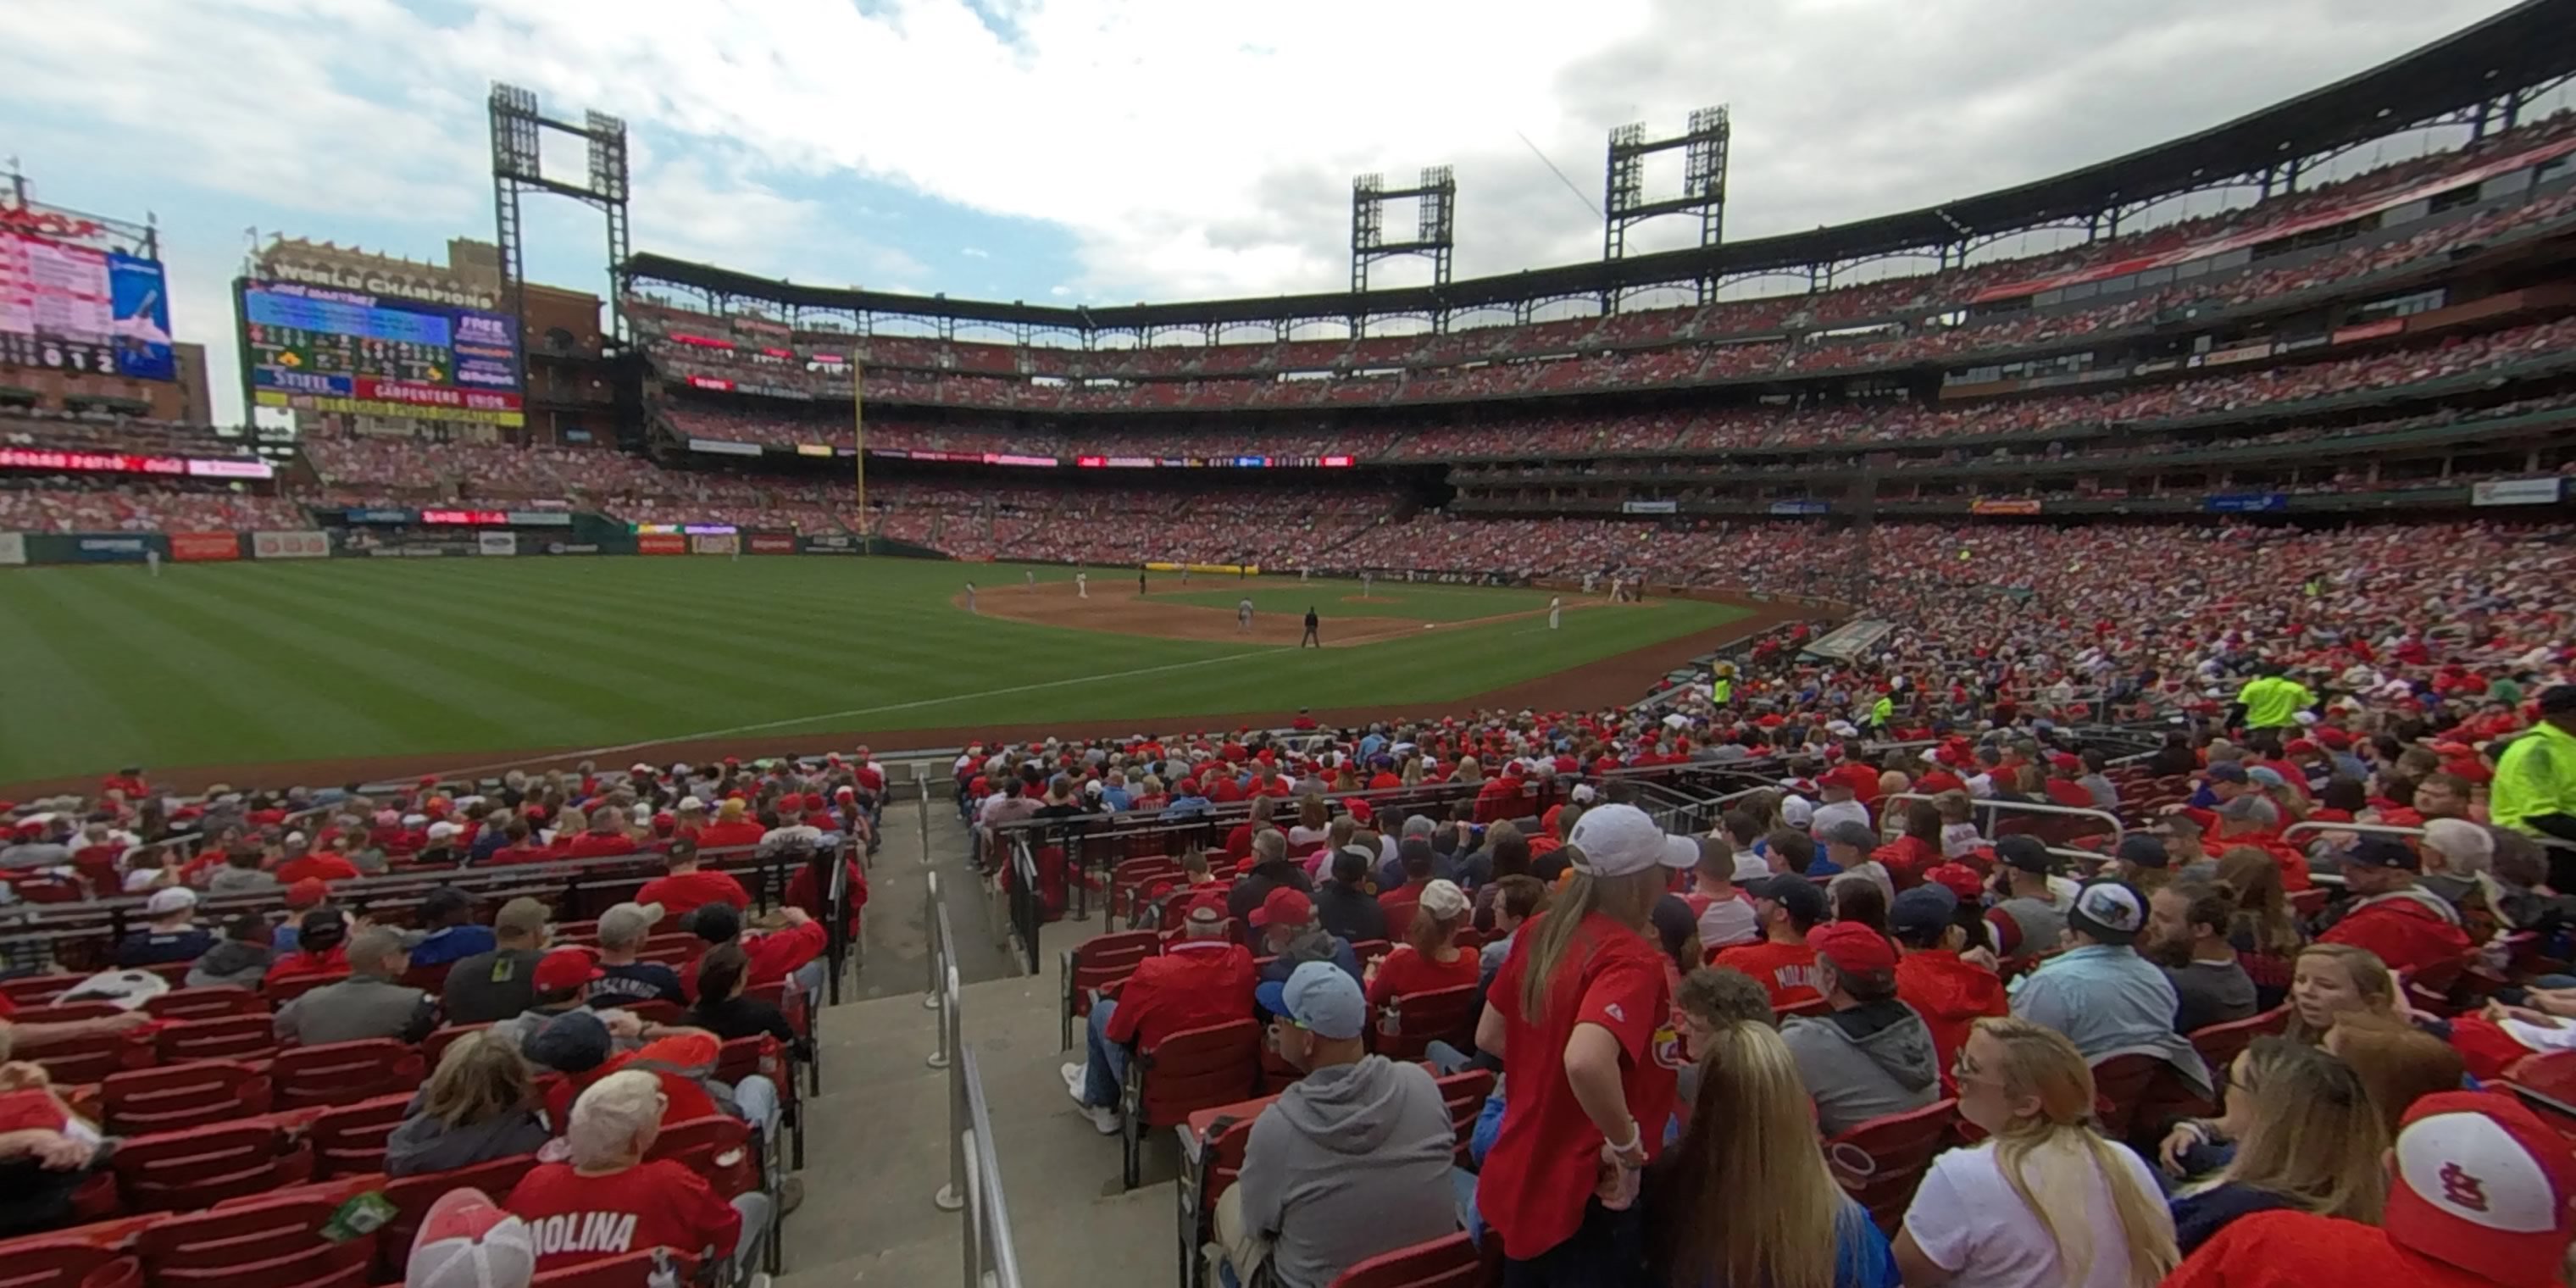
(877, 1139)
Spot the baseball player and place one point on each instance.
(1555, 611)
(1301, 575)
(1140, 581)
(1312, 622)
(1367, 579)
(1243, 614)
(1033, 578)
(1082, 585)
(1588, 579)
(152, 559)
(970, 597)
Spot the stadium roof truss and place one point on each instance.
(2480, 77)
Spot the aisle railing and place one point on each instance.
(974, 1184)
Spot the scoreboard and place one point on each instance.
(320, 349)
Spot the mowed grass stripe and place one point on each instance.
(367, 690)
(467, 668)
(51, 706)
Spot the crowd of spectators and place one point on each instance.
(111, 432)
(43, 504)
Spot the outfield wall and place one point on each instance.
(31, 549)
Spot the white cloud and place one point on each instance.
(974, 252)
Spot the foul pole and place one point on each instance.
(859, 452)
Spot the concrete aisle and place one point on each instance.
(877, 1139)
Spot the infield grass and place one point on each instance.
(222, 664)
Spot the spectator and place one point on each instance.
(1789, 907)
(321, 947)
(2534, 791)
(2030, 916)
(1839, 807)
(2307, 1138)
(606, 1200)
(1198, 981)
(1271, 870)
(1429, 958)
(242, 874)
(2141, 862)
(1872, 1055)
(240, 960)
(1847, 851)
(1351, 1161)
(1343, 904)
(1676, 932)
(1726, 917)
(791, 953)
(2397, 1061)
(1574, 1012)
(2102, 995)
(1519, 898)
(2045, 1201)
(478, 1105)
(723, 975)
(370, 1003)
(465, 1241)
(2479, 1194)
(559, 984)
(1949, 991)
(1742, 834)
(501, 982)
(173, 934)
(685, 886)
(448, 915)
(2187, 938)
(1418, 861)
(2406, 926)
(1745, 1198)
(624, 977)
(2331, 981)
(1291, 937)
(47, 1151)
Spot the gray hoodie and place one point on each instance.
(1868, 1062)
(231, 962)
(1350, 1161)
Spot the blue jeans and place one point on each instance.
(754, 1207)
(1444, 1057)
(757, 1097)
(1104, 1068)
(808, 978)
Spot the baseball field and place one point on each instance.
(339, 669)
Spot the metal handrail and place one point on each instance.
(1886, 816)
(921, 808)
(992, 1259)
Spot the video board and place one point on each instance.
(315, 348)
(75, 308)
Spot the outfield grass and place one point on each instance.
(215, 664)
(1332, 599)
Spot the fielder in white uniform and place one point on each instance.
(1555, 612)
(970, 597)
(1082, 585)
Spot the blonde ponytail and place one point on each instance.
(2059, 1150)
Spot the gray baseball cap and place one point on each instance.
(1321, 998)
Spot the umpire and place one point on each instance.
(1312, 622)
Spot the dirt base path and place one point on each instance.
(1123, 612)
(1618, 679)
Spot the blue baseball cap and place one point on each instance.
(1321, 998)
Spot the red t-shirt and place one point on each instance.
(1193, 984)
(1787, 971)
(319, 867)
(772, 956)
(801, 892)
(2070, 793)
(591, 845)
(1540, 1172)
(725, 836)
(681, 892)
(575, 1219)
(1950, 995)
(1406, 971)
(1399, 904)
(2405, 933)
(2297, 1250)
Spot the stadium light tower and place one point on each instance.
(1704, 147)
(1435, 223)
(518, 166)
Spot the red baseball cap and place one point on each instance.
(306, 893)
(2483, 1185)
(566, 968)
(1854, 948)
(1286, 906)
(1959, 879)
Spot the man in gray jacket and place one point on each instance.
(1352, 1160)
(1872, 1056)
(368, 1004)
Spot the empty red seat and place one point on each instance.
(1900, 1147)
(351, 1138)
(439, 1039)
(717, 1147)
(275, 1243)
(206, 1004)
(1411, 1022)
(2220, 1044)
(1098, 963)
(344, 1073)
(65, 1259)
(178, 1096)
(226, 1037)
(287, 989)
(1187, 1071)
(92, 1058)
(1209, 1169)
(202, 1166)
(37, 990)
(1445, 1262)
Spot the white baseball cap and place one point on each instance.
(1617, 840)
(170, 899)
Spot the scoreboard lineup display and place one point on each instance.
(75, 308)
(320, 349)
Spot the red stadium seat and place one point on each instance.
(443, 1037)
(206, 1004)
(2220, 1044)
(1900, 1147)
(277, 1243)
(412, 1195)
(1096, 964)
(1446, 1262)
(179, 1096)
(65, 1260)
(1187, 1071)
(1410, 1022)
(37, 990)
(202, 1166)
(230, 1037)
(1208, 1170)
(92, 1058)
(288, 988)
(623, 1272)
(718, 1148)
(344, 1073)
(350, 1139)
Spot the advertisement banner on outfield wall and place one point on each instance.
(110, 549)
(204, 547)
(2246, 502)
(2003, 507)
(501, 544)
(726, 544)
(1650, 507)
(290, 545)
(772, 543)
(661, 543)
(13, 548)
(571, 548)
(833, 545)
(2515, 492)
(1801, 507)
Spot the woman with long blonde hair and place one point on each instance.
(1744, 1199)
(2328, 981)
(2045, 1201)
(1582, 1013)
(478, 1105)
(2308, 1138)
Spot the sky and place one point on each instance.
(1103, 151)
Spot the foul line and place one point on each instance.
(851, 714)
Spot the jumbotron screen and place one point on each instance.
(72, 308)
(315, 348)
